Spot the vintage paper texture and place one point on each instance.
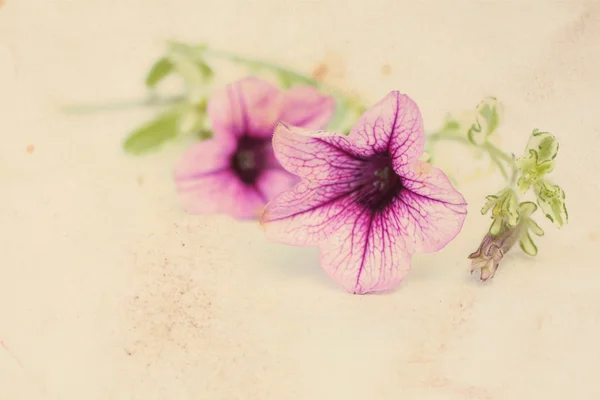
(109, 291)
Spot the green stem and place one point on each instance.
(121, 105)
(203, 50)
(495, 154)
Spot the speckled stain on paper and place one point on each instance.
(332, 67)
(386, 69)
(423, 370)
(184, 325)
(567, 57)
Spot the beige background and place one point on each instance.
(109, 291)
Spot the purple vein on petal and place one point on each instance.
(341, 150)
(396, 111)
(366, 246)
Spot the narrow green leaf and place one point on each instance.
(527, 244)
(451, 125)
(340, 115)
(285, 80)
(206, 71)
(188, 69)
(154, 133)
(161, 68)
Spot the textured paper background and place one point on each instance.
(109, 291)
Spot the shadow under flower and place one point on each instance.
(296, 263)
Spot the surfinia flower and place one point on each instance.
(364, 199)
(235, 172)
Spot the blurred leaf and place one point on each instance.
(153, 134)
(161, 68)
(288, 79)
(188, 69)
(451, 125)
(205, 69)
(340, 115)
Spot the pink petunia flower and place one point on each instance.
(365, 199)
(236, 172)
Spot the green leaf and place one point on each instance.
(451, 125)
(288, 79)
(154, 133)
(188, 69)
(161, 68)
(527, 244)
(205, 69)
(285, 80)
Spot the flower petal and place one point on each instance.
(204, 158)
(273, 182)
(367, 254)
(313, 155)
(221, 193)
(308, 213)
(306, 107)
(206, 184)
(429, 209)
(249, 106)
(392, 125)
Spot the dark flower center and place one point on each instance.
(248, 161)
(380, 183)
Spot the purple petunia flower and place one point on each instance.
(236, 172)
(365, 199)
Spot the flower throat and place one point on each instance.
(381, 184)
(248, 159)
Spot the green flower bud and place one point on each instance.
(487, 120)
(505, 212)
(541, 150)
(551, 199)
